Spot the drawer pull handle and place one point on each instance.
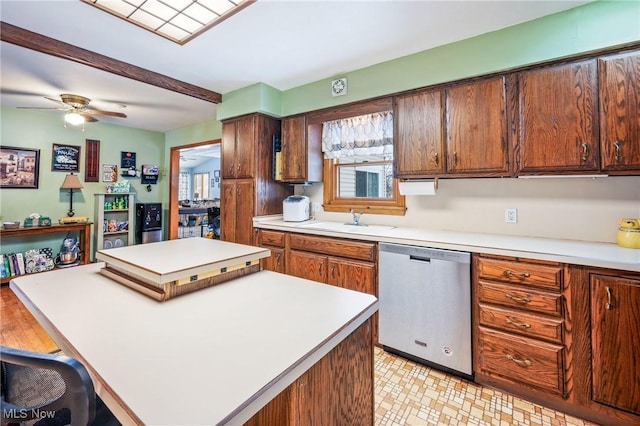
(435, 159)
(617, 157)
(609, 304)
(509, 273)
(585, 152)
(517, 324)
(522, 300)
(520, 362)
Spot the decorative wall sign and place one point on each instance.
(19, 167)
(65, 158)
(92, 161)
(127, 160)
(149, 174)
(109, 173)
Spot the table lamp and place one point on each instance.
(71, 182)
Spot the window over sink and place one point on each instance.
(358, 164)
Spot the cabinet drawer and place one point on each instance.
(334, 247)
(523, 273)
(272, 238)
(520, 359)
(521, 298)
(528, 325)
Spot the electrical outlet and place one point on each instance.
(315, 207)
(511, 215)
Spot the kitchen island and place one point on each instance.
(264, 348)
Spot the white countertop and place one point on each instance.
(603, 255)
(215, 356)
(166, 261)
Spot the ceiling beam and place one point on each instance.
(34, 41)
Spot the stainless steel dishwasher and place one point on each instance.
(425, 305)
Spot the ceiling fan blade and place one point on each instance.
(58, 101)
(88, 118)
(57, 109)
(109, 113)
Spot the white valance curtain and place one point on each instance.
(370, 134)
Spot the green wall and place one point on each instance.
(590, 27)
(40, 130)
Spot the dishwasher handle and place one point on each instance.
(419, 259)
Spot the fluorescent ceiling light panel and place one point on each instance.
(176, 20)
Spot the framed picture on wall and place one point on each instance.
(65, 158)
(109, 172)
(19, 167)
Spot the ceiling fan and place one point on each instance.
(78, 110)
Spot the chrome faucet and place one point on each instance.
(356, 217)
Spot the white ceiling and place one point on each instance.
(283, 43)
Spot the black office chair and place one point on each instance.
(213, 219)
(48, 390)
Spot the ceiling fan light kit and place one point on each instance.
(73, 118)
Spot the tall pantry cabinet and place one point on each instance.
(247, 187)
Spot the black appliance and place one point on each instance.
(148, 222)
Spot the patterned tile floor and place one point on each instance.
(411, 394)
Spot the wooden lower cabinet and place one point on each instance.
(615, 341)
(519, 321)
(341, 262)
(337, 390)
(564, 336)
(307, 265)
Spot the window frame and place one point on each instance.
(331, 200)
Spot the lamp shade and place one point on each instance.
(71, 181)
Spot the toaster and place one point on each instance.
(296, 208)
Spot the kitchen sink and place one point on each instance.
(346, 227)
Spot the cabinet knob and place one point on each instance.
(436, 159)
(609, 304)
(455, 159)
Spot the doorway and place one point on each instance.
(194, 186)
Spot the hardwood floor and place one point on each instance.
(18, 328)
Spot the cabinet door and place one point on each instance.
(275, 262)
(245, 210)
(419, 146)
(358, 276)
(477, 128)
(307, 265)
(294, 149)
(228, 210)
(228, 150)
(615, 342)
(245, 147)
(620, 112)
(558, 119)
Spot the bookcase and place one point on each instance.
(115, 220)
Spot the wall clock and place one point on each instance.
(339, 87)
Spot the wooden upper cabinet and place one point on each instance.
(301, 155)
(419, 135)
(294, 148)
(557, 113)
(476, 128)
(238, 148)
(619, 78)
